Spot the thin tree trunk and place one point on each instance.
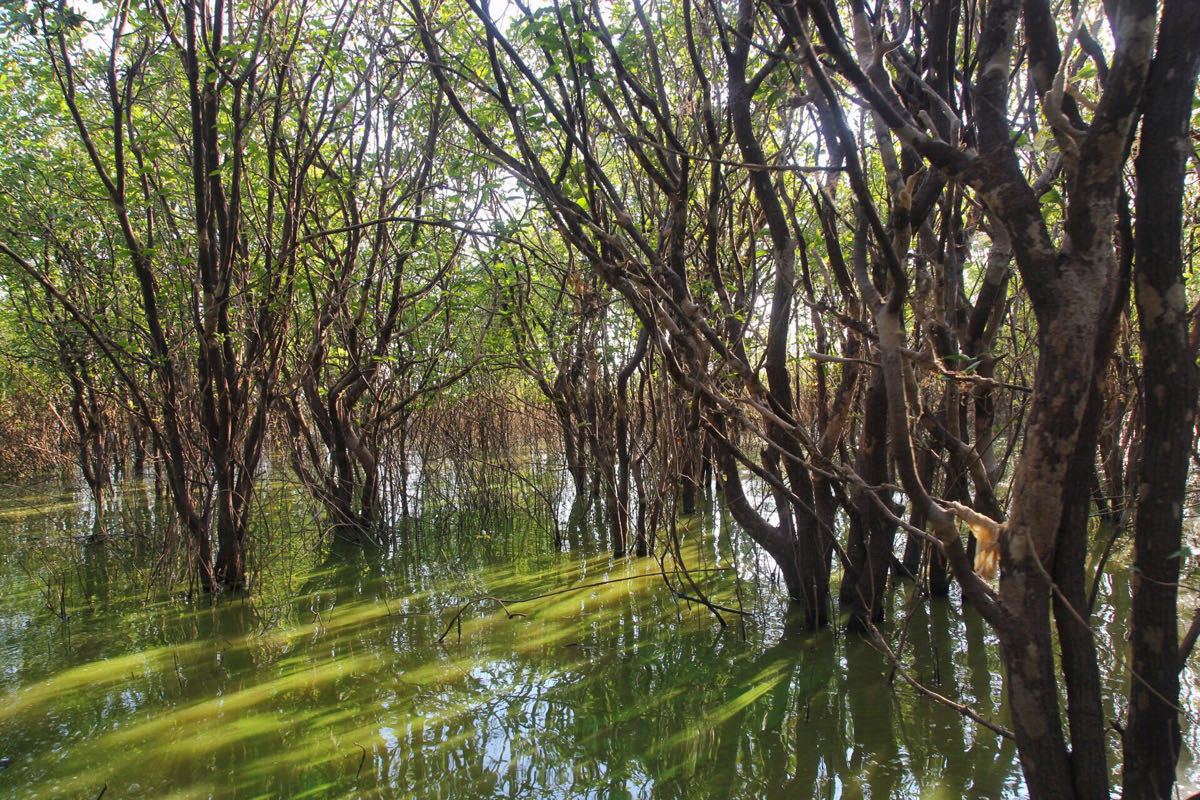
(1152, 735)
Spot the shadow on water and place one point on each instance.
(331, 680)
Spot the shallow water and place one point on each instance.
(331, 681)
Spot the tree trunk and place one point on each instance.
(1152, 735)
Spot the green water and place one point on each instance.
(331, 682)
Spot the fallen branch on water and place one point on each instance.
(876, 640)
(457, 618)
(504, 604)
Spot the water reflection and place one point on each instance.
(331, 681)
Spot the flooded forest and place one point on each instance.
(599, 399)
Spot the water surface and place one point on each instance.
(348, 674)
